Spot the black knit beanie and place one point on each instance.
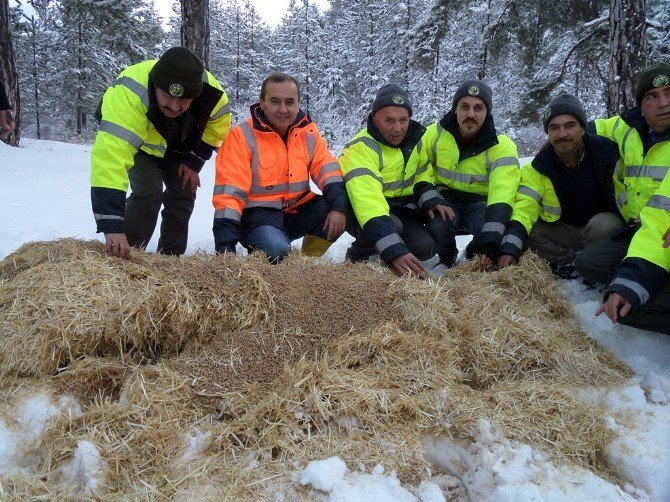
(565, 104)
(391, 95)
(656, 75)
(178, 72)
(477, 89)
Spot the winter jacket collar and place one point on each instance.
(635, 120)
(414, 134)
(260, 121)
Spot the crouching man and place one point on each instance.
(639, 295)
(262, 196)
(160, 121)
(566, 198)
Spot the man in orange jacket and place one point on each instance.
(262, 196)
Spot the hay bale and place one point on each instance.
(35, 253)
(58, 311)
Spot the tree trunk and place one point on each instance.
(80, 77)
(8, 70)
(628, 43)
(36, 76)
(195, 27)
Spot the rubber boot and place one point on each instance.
(314, 246)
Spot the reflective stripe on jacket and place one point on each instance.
(642, 169)
(647, 263)
(537, 197)
(489, 167)
(126, 126)
(376, 174)
(255, 168)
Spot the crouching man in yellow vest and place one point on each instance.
(159, 122)
(639, 295)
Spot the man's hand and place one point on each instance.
(444, 211)
(485, 262)
(616, 306)
(334, 224)
(505, 260)
(408, 264)
(117, 245)
(189, 177)
(666, 238)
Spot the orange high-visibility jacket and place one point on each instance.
(255, 168)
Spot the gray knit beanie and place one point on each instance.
(477, 89)
(178, 72)
(391, 95)
(656, 75)
(565, 104)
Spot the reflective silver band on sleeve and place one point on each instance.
(361, 171)
(136, 88)
(332, 179)
(526, 190)
(230, 190)
(222, 111)
(158, 148)
(99, 217)
(498, 228)
(228, 213)
(504, 161)
(513, 240)
(426, 196)
(637, 288)
(122, 133)
(552, 210)
(327, 168)
(661, 202)
(386, 242)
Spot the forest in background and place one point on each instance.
(68, 51)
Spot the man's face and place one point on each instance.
(656, 108)
(565, 134)
(280, 105)
(170, 106)
(470, 115)
(392, 122)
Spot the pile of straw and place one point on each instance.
(273, 366)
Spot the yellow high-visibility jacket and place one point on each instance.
(132, 121)
(540, 192)
(647, 263)
(489, 168)
(378, 175)
(644, 162)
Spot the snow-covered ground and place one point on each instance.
(45, 195)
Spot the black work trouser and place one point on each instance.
(147, 177)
